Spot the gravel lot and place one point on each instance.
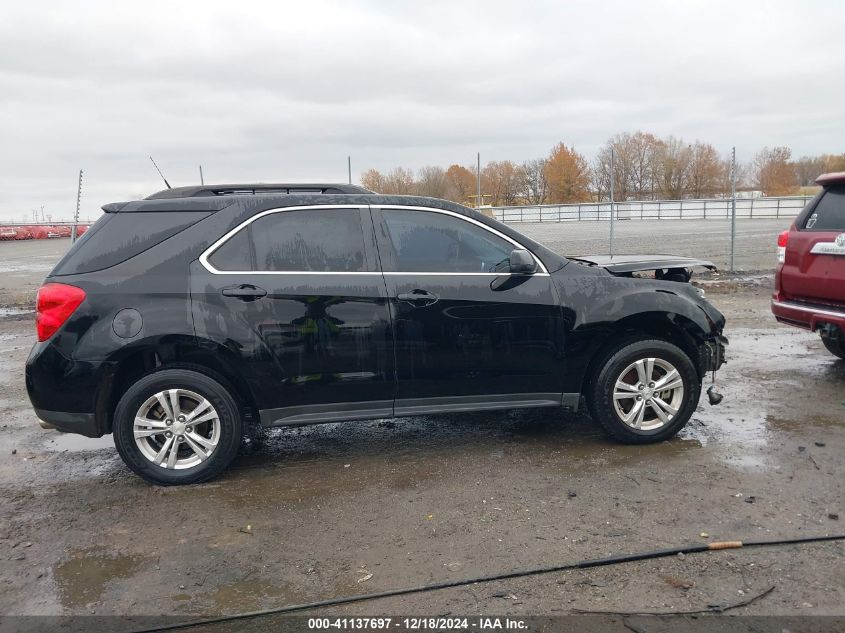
(314, 511)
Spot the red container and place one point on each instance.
(39, 232)
(23, 233)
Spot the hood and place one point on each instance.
(636, 263)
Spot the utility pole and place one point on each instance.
(349, 167)
(478, 181)
(202, 180)
(76, 215)
(611, 200)
(733, 208)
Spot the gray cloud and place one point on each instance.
(284, 91)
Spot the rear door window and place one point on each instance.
(829, 214)
(310, 240)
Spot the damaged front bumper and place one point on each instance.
(714, 353)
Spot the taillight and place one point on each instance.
(783, 238)
(55, 303)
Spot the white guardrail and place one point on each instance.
(711, 208)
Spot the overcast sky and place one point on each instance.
(284, 91)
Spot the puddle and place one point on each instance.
(83, 579)
(58, 442)
(766, 371)
(27, 267)
(10, 312)
(246, 595)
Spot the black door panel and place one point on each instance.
(463, 338)
(315, 343)
(474, 340)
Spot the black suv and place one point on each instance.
(178, 321)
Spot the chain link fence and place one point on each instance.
(669, 227)
(705, 209)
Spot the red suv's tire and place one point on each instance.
(835, 346)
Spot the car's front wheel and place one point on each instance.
(645, 390)
(177, 426)
(835, 346)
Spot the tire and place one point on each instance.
(835, 346)
(621, 364)
(188, 453)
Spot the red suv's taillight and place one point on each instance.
(783, 238)
(56, 302)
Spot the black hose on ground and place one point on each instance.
(586, 564)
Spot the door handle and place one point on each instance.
(246, 292)
(418, 298)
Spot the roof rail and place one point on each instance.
(256, 190)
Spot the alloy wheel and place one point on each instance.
(177, 429)
(648, 394)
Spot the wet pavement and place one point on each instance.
(340, 509)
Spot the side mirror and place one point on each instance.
(522, 262)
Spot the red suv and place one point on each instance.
(810, 280)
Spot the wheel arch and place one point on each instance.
(151, 355)
(672, 327)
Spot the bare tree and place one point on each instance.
(399, 181)
(600, 177)
(774, 174)
(642, 152)
(674, 168)
(707, 171)
(373, 180)
(808, 168)
(503, 182)
(533, 186)
(833, 162)
(432, 182)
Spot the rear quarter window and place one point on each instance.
(312, 240)
(829, 213)
(116, 237)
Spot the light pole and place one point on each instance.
(478, 180)
(73, 230)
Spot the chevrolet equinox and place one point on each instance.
(177, 322)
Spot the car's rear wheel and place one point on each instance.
(645, 390)
(177, 426)
(835, 346)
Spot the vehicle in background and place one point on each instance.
(810, 278)
(177, 322)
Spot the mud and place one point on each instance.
(311, 512)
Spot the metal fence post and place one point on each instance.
(611, 201)
(777, 211)
(733, 208)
